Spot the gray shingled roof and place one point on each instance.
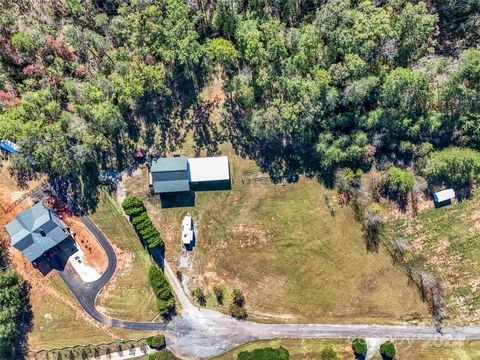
(170, 175)
(36, 230)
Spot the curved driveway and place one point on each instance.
(200, 333)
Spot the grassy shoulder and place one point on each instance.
(445, 243)
(128, 295)
(285, 249)
(311, 349)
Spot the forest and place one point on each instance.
(313, 87)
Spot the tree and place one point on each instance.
(359, 346)
(387, 350)
(453, 167)
(157, 341)
(162, 290)
(238, 298)
(329, 353)
(133, 206)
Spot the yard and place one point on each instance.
(445, 243)
(128, 296)
(295, 253)
(310, 349)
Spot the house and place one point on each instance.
(36, 231)
(179, 174)
(444, 197)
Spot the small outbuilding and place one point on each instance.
(209, 173)
(9, 146)
(170, 175)
(36, 231)
(443, 197)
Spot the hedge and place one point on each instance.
(156, 342)
(162, 290)
(265, 354)
(142, 223)
(163, 355)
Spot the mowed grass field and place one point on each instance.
(58, 320)
(282, 246)
(445, 242)
(128, 295)
(310, 349)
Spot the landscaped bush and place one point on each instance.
(329, 353)
(134, 207)
(156, 342)
(359, 346)
(387, 350)
(199, 296)
(162, 290)
(162, 355)
(265, 354)
(238, 312)
(218, 292)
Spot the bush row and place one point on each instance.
(134, 208)
(162, 290)
(265, 354)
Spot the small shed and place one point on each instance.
(444, 197)
(9, 146)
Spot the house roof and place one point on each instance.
(209, 169)
(36, 230)
(170, 175)
(443, 195)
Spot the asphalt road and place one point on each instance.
(200, 333)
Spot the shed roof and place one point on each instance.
(443, 195)
(171, 186)
(169, 164)
(209, 169)
(36, 230)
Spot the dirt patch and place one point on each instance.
(94, 254)
(251, 235)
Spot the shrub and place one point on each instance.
(162, 355)
(387, 350)
(453, 166)
(329, 353)
(265, 354)
(157, 341)
(238, 298)
(199, 296)
(359, 346)
(238, 312)
(400, 181)
(162, 290)
(133, 206)
(218, 292)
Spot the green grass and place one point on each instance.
(310, 349)
(129, 295)
(445, 243)
(282, 247)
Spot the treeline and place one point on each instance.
(133, 207)
(311, 87)
(14, 315)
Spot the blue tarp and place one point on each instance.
(9, 146)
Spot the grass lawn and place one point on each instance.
(128, 295)
(445, 243)
(283, 248)
(299, 349)
(58, 320)
(310, 349)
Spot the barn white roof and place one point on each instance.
(443, 195)
(209, 169)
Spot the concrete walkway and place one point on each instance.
(200, 333)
